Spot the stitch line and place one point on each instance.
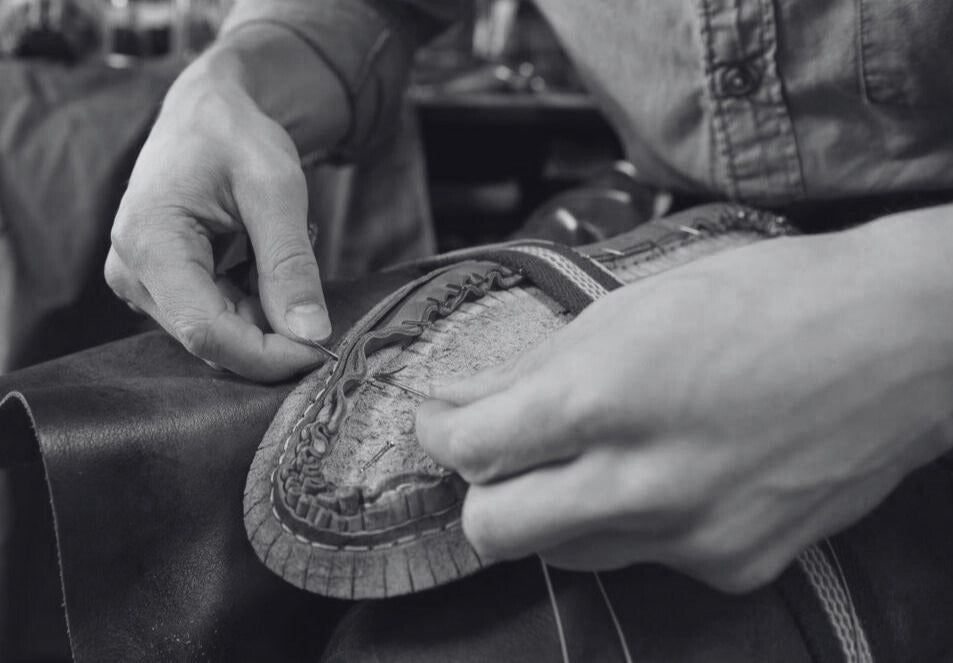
(332, 371)
(793, 171)
(615, 618)
(719, 123)
(412, 329)
(727, 222)
(561, 634)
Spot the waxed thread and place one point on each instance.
(559, 622)
(615, 619)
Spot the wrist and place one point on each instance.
(273, 69)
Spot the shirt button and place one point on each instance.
(738, 79)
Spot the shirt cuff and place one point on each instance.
(368, 52)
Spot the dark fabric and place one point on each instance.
(897, 563)
(146, 451)
(68, 139)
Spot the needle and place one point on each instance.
(318, 346)
(388, 379)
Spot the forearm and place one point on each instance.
(331, 72)
(282, 76)
(893, 280)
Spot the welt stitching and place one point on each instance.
(728, 222)
(306, 414)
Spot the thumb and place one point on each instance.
(494, 379)
(289, 282)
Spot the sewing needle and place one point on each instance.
(318, 346)
(386, 379)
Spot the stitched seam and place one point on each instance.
(794, 171)
(719, 122)
(775, 126)
(564, 266)
(741, 219)
(404, 540)
(861, 42)
(454, 300)
(832, 595)
(307, 415)
(400, 292)
(570, 271)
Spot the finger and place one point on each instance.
(497, 378)
(539, 510)
(526, 425)
(608, 488)
(274, 211)
(191, 307)
(128, 288)
(502, 376)
(126, 285)
(494, 379)
(603, 551)
(461, 391)
(249, 309)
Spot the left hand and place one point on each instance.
(717, 418)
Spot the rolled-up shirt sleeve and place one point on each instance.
(368, 44)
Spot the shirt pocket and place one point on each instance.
(906, 52)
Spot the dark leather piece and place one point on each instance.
(146, 451)
(896, 562)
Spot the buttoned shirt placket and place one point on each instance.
(755, 155)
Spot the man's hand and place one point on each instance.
(717, 418)
(213, 165)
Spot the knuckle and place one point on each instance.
(425, 429)
(708, 545)
(134, 239)
(273, 169)
(477, 528)
(746, 577)
(466, 456)
(121, 234)
(194, 336)
(731, 564)
(292, 260)
(115, 274)
(288, 170)
(587, 410)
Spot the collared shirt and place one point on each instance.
(766, 101)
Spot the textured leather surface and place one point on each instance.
(146, 451)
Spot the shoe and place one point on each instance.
(341, 500)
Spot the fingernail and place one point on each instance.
(214, 366)
(309, 322)
(439, 386)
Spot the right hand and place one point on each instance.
(215, 164)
